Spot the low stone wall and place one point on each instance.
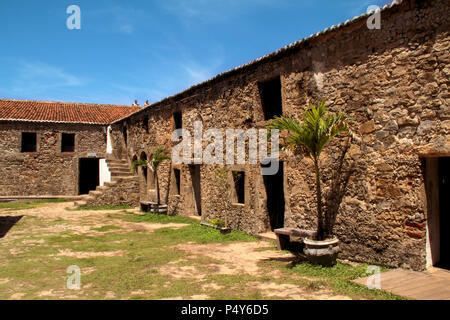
(124, 191)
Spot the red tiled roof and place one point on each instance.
(44, 111)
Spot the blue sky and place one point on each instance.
(150, 49)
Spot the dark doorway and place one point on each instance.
(444, 212)
(89, 175)
(271, 100)
(274, 185)
(196, 188)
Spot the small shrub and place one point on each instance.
(217, 222)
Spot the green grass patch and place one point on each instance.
(152, 218)
(194, 232)
(28, 204)
(202, 235)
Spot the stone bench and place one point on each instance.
(148, 206)
(284, 236)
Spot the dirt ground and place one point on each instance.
(218, 269)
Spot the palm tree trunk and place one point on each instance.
(320, 234)
(158, 199)
(168, 183)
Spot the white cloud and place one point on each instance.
(38, 77)
(117, 19)
(196, 73)
(357, 7)
(213, 10)
(126, 29)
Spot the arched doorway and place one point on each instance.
(133, 160)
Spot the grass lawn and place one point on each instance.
(126, 256)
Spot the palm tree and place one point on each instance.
(311, 135)
(156, 158)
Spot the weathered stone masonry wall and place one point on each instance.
(47, 171)
(393, 82)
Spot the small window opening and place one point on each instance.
(239, 185)
(178, 121)
(145, 124)
(177, 174)
(67, 142)
(28, 142)
(270, 92)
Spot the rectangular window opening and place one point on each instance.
(67, 142)
(177, 175)
(178, 120)
(29, 142)
(270, 92)
(145, 124)
(239, 185)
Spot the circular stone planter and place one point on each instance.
(322, 252)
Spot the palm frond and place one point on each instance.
(315, 130)
(138, 163)
(158, 156)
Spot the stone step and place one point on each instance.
(116, 162)
(80, 203)
(116, 166)
(119, 170)
(119, 166)
(87, 198)
(120, 178)
(95, 193)
(110, 183)
(111, 157)
(121, 174)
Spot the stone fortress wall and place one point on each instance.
(393, 82)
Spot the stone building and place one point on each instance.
(391, 191)
(388, 182)
(53, 148)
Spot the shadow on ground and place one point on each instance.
(6, 223)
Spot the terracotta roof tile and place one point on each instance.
(64, 112)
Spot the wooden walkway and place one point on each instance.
(433, 284)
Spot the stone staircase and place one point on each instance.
(120, 190)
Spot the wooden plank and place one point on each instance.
(414, 285)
